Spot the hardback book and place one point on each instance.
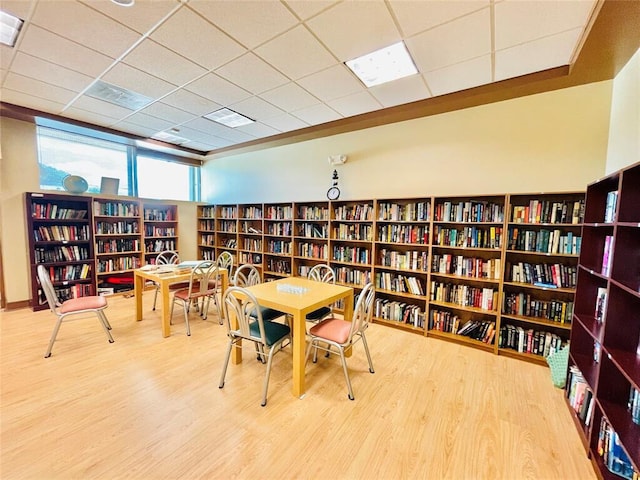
(606, 255)
(601, 304)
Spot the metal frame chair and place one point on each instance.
(336, 332)
(268, 336)
(225, 260)
(200, 281)
(74, 306)
(168, 257)
(321, 273)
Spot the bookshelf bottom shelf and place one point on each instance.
(528, 357)
(452, 337)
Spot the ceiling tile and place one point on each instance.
(137, 81)
(190, 102)
(252, 74)
(161, 62)
(204, 138)
(460, 76)
(6, 55)
(256, 108)
(548, 52)
(194, 38)
(251, 23)
(214, 128)
(141, 17)
(85, 26)
(19, 8)
(517, 22)
(38, 88)
(218, 89)
(454, 42)
(167, 112)
(351, 29)
(296, 53)
(289, 97)
(140, 130)
(29, 101)
(415, 17)
(317, 114)
(403, 90)
(33, 67)
(147, 121)
(305, 9)
(100, 107)
(91, 116)
(285, 122)
(334, 82)
(355, 104)
(258, 130)
(55, 49)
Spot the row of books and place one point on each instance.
(62, 233)
(159, 245)
(206, 239)
(278, 266)
(252, 244)
(634, 405)
(346, 253)
(523, 304)
(282, 247)
(313, 230)
(346, 231)
(614, 457)
(67, 292)
(209, 212)
(279, 228)
(359, 212)
(353, 276)
(279, 212)
(544, 241)
(534, 342)
(579, 395)
(475, 237)
(116, 209)
(408, 260)
(247, 257)
(313, 212)
(248, 227)
(117, 228)
(443, 321)
(546, 211)
(118, 245)
(610, 206)
(228, 226)
(313, 250)
(153, 231)
(415, 234)
(464, 295)
(118, 264)
(472, 267)
(551, 275)
(54, 211)
(396, 311)
(601, 304)
(408, 212)
(480, 330)
(66, 253)
(251, 212)
(70, 272)
(207, 225)
(469, 211)
(399, 283)
(227, 212)
(158, 214)
(230, 243)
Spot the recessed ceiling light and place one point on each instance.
(384, 65)
(118, 95)
(170, 138)
(228, 117)
(10, 26)
(124, 3)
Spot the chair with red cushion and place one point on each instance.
(341, 334)
(75, 306)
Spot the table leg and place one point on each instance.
(166, 325)
(138, 288)
(298, 347)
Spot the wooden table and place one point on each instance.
(164, 280)
(317, 294)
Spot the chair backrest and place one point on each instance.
(241, 303)
(322, 273)
(47, 287)
(246, 275)
(225, 260)
(203, 277)
(363, 311)
(168, 257)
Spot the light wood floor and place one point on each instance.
(148, 407)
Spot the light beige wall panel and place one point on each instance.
(624, 137)
(548, 142)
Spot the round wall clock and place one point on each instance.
(334, 192)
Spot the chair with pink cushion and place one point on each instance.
(75, 306)
(341, 334)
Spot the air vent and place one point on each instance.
(170, 138)
(118, 95)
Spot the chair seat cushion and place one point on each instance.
(334, 329)
(318, 314)
(272, 331)
(178, 286)
(268, 314)
(83, 303)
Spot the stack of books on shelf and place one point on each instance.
(613, 455)
(534, 342)
(579, 395)
(634, 405)
(397, 311)
(550, 275)
(545, 211)
(601, 304)
(483, 331)
(610, 207)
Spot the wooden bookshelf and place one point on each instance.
(250, 230)
(117, 229)
(160, 223)
(311, 236)
(227, 230)
(59, 229)
(278, 240)
(605, 331)
(206, 232)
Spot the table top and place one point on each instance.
(166, 272)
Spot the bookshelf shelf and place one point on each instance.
(605, 334)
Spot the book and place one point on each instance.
(606, 255)
(601, 304)
(610, 207)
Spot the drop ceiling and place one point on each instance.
(280, 63)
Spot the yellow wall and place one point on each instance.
(624, 137)
(548, 142)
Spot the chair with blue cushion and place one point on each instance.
(269, 337)
(248, 275)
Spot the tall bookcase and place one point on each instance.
(278, 239)
(605, 335)
(60, 238)
(206, 232)
(227, 231)
(311, 236)
(160, 229)
(118, 243)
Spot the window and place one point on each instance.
(141, 172)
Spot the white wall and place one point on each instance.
(624, 136)
(555, 141)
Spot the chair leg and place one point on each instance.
(226, 363)
(54, 334)
(185, 306)
(366, 349)
(104, 322)
(266, 378)
(104, 318)
(346, 373)
(155, 298)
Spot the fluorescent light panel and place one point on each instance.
(10, 26)
(384, 65)
(118, 95)
(170, 138)
(228, 117)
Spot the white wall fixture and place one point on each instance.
(338, 159)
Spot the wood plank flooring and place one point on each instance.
(148, 407)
